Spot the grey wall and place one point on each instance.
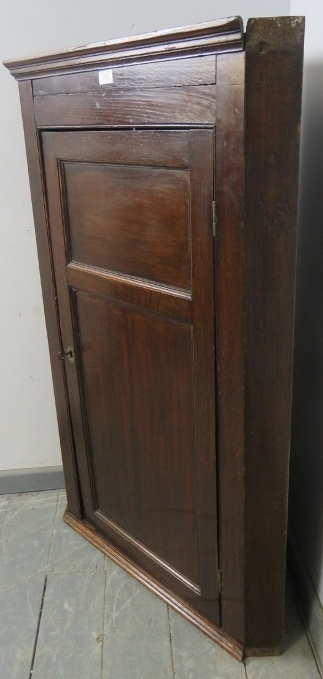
(27, 416)
(306, 488)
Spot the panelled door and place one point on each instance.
(130, 218)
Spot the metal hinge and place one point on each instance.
(214, 218)
(220, 583)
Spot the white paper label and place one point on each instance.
(106, 76)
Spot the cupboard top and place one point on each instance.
(212, 37)
(222, 35)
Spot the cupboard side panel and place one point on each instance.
(230, 335)
(49, 294)
(274, 55)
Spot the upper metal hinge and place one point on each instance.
(214, 218)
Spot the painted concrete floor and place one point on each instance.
(68, 612)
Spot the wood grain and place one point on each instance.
(132, 220)
(162, 299)
(222, 35)
(274, 57)
(132, 147)
(138, 381)
(202, 187)
(172, 73)
(174, 105)
(230, 279)
(48, 284)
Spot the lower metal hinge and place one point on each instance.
(220, 583)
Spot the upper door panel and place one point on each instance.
(146, 210)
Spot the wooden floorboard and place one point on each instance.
(19, 611)
(26, 537)
(24, 547)
(297, 660)
(70, 552)
(98, 622)
(70, 634)
(136, 631)
(195, 656)
(4, 502)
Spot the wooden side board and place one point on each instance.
(38, 196)
(273, 86)
(230, 333)
(257, 152)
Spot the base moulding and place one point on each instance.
(84, 529)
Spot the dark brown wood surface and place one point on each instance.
(138, 384)
(175, 72)
(171, 106)
(211, 37)
(274, 57)
(174, 302)
(140, 204)
(142, 388)
(157, 148)
(231, 335)
(48, 284)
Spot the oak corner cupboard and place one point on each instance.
(164, 180)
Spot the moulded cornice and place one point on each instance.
(223, 35)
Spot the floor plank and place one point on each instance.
(70, 552)
(19, 610)
(71, 629)
(25, 537)
(297, 660)
(198, 657)
(4, 502)
(136, 633)
(126, 637)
